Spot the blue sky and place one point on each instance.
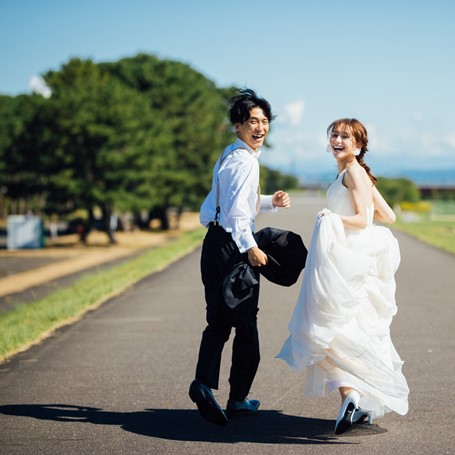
(388, 63)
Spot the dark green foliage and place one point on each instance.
(398, 190)
(98, 132)
(193, 118)
(19, 126)
(272, 180)
(139, 134)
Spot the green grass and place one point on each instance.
(435, 227)
(439, 234)
(29, 323)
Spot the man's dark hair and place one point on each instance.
(242, 104)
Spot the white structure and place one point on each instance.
(24, 231)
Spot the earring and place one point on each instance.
(328, 149)
(357, 152)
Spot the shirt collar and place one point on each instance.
(244, 145)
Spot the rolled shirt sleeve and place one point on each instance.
(267, 204)
(239, 179)
(237, 176)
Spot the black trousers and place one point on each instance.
(217, 250)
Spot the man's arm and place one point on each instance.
(256, 257)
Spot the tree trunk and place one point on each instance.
(160, 213)
(85, 228)
(110, 222)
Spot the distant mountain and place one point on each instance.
(432, 177)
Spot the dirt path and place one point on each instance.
(24, 269)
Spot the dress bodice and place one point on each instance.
(338, 200)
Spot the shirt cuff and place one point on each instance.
(267, 204)
(244, 241)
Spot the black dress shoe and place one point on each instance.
(206, 403)
(242, 408)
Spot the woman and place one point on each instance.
(340, 325)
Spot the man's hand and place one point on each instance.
(281, 199)
(256, 257)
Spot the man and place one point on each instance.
(229, 212)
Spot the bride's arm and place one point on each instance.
(382, 211)
(360, 192)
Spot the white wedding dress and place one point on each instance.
(340, 325)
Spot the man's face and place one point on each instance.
(254, 130)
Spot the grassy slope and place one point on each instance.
(440, 234)
(30, 323)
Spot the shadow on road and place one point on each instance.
(267, 427)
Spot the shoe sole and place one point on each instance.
(235, 413)
(346, 422)
(361, 419)
(240, 413)
(207, 406)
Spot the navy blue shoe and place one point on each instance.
(206, 403)
(242, 408)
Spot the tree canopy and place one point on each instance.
(192, 113)
(398, 190)
(138, 134)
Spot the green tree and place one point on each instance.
(8, 120)
(194, 126)
(398, 190)
(273, 180)
(94, 132)
(140, 133)
(22, 182)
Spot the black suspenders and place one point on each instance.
(216, 221)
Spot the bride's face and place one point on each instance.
(342, 143)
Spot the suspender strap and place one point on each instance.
(217, 212)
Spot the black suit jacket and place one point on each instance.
(286, 254)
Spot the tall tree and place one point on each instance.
(140, 133)
(94, 133)
(193, 113)
(22, 181)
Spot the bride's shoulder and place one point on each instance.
(355, 175)
(356, 172)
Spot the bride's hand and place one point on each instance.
(324, 212)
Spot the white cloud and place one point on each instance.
(435, 145)
(418, 142)
(449, 140)
(296, 152)
(292, 113)
(427, 140)
(37, 85)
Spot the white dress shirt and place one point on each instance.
(237, 173)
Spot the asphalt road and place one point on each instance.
(116, 381)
